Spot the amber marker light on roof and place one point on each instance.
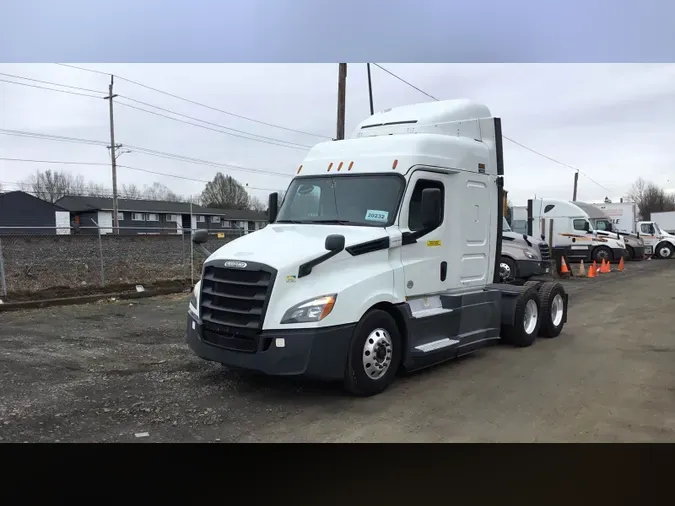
(394, 164)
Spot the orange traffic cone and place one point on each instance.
(582, 269)
(595, 266)
(604, 268)
(564, 270)
(592, 271)
(621, 266)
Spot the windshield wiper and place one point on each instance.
(336, 222)
(288, 221)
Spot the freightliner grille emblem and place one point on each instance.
(235, 265)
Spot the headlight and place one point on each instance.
(312, 310)
(530, 255)
(194, 299)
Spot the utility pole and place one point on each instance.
(113, 155)
(576, 181)
(370, 90)
(342, 89)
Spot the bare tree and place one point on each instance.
(225, 192)
(131, 191)
(255, 204)
(52, 185)
(158, 191)
(650, 198)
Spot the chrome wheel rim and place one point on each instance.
(602, 254)
(505, 271)
(665, 252)
(557, 309)
(531, 316)
(377, 353)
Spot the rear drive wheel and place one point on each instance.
(552, 297)
(374, 354)
(526, 320)
(602, 252)
(664, 250)
(508, 270)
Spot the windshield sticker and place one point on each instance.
(377, 215)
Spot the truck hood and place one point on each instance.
(518, 239)
(285, 245)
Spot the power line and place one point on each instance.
(51, 83)
(198, 103)
(145, 151)
(50, 89)
(504, 136)
(287, 145)
(406, 82)
(247, 135)
(139, 169)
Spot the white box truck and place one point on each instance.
(625, 215)
(381, 258)
(666, 221)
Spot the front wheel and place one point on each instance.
(508, 271)
(664, 250)
(526, 320)
(374, 354)
(602, 253)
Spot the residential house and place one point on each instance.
(22, 213)
(156, 217)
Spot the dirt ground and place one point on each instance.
(109, 371)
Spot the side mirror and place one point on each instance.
(431, 208)
(587, 227)
(273, 207)
(335, 243)
(200, 236)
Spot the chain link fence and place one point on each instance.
(41, 262)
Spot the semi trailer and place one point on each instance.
(383, 257)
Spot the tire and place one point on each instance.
(532, 283)
(602, 252)
(375, 327)
(520, 333)
(552, 297)
(631, 253)
(507, 266)
(664, 250)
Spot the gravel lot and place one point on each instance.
(111, 370)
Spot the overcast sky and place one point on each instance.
(613, 122)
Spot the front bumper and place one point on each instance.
(639, 252)
(529, 268)
(619, 253)
(319, 353)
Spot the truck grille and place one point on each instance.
(545, 252)
(233, 304)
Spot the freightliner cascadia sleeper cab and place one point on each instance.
(384, 256)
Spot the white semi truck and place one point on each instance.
(383, 257)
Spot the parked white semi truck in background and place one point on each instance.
(573, 234)
(382, 257)
(666, 221)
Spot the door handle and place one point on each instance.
(444, 270)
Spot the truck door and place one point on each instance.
(648, 235)
(426, 262)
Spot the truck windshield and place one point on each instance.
(505, 226)
(368, 201)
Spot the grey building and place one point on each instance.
(157, 217)
(22, 213)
